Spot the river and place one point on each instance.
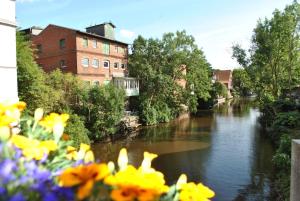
(223, 149)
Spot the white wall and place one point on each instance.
(8, 71)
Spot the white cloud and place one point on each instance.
(127, 34)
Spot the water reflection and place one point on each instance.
(222, 149)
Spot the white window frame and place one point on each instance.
(88, 62)
(95, 45)
(106, 61)
(95, 66)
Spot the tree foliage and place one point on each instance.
(32, 87)
(103, 109)
(241, 82)
(273, 60)
(159, 64)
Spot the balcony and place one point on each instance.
(129, 84)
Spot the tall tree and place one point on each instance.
(160, 63)
(32, 86)
(273, 63)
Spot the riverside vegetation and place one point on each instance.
(96, 111)
(272, 64)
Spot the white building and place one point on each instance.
(8, 69)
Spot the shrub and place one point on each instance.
(155, 113)
(76, 130)
(104, 109)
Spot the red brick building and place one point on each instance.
(95, 55)
(224, 77)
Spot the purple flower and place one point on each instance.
(17, 197)
(7, 166)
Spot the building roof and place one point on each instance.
(88, 34)
(223, 75)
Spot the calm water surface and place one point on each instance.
(223, 149)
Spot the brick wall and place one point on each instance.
(51, 54)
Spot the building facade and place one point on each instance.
(95, 56)
(224, 77)
(8, 69)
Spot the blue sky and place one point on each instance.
(215, 24)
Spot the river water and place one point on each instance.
(223, 149)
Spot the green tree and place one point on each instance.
(32, 87)
(273, 63)
(103, 108)
(160, 64)
(241, 82)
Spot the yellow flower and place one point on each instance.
(84, 153)
(141, 184)
(33, 149)
(123, 159)
(54, 120)
(195, 192)
(84, 177)
(9, 117)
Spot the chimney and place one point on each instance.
(106, 30)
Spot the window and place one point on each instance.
(62, 43)
(95, 63)
(121, 50)
(85, 62)
(39, 48)
(96, 83)
(106, 64)
(85, 42)
(116, 49)
(106, 48)
(116, 65)
(62, 63)
(123, 66)
(94, 43)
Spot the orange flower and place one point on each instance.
(84, 177)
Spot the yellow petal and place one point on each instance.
(4, 132)
(182, 180)
(84, 147)
(146, 164)
(38, 114)
(123, 159)
(89, 157)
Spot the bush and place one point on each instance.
(104, 109)
(76, 130)
(155, 113)
(287, 119)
